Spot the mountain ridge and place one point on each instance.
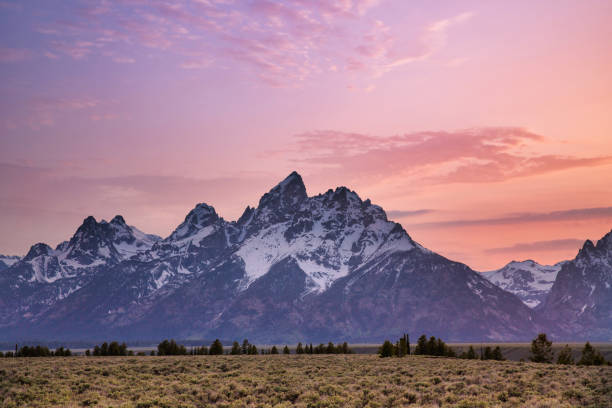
(293, 268)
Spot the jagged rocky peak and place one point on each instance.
(202, 216)
(287, 195)
(603, 249)
(37, 250)
(118, 220)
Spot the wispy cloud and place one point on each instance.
(537, 246)
(15, 54)
(282, 43)
(408, 213)
(576, 214)
(44, 111)
(478, 155)
(434, 37)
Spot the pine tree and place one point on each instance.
(471, 354)
(565, 356)
(286, 350)
(591, 356)
(245, 347)
(236, 350)
(407, 344)
(274, 350)
(345, 348)
(431, 346)
(488, 353)
(440, 348)
(401, 349)
(497, 354)
(299, 349)
(386, 350)
(216, 348)
(421, 347)
(541, 349)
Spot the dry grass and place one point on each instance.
(300, 381)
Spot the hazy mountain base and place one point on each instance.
(298, 381)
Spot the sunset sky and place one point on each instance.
(483, 127)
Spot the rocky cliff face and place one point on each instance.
(580, 301)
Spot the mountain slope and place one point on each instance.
(580, 301)
(330, 266)
(7, 260)
(45, 276)
(528, 280)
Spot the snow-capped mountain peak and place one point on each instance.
(327, 235)
(37, 250)
(527, 279)
(8, 260)
(202, 216)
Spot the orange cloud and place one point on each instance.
(491, 154)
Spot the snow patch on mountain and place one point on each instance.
(528, 280)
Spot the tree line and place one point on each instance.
(167, 348)
(37, 351)
(542, 352)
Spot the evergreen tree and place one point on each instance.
(330, 348)
(471, 354)
(440, 348)
(216, 348)
(97, 351)
(407, 344)
(497, 354)
(591, 356)
(431, 346)
(488, 353)
(104, 349)
(236, 350)
(421, 347)
(386, 350)
(565, 356)
(299, 349)
(286, 350)
(541, 349)
(245, 347)
(401, 349)
(274, 350)
(345, 348)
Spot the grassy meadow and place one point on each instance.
(298, 381)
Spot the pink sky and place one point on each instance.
(484, 127)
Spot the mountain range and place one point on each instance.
(295, 268)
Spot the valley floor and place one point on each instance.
(301, 381)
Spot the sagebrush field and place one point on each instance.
(300, 381)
